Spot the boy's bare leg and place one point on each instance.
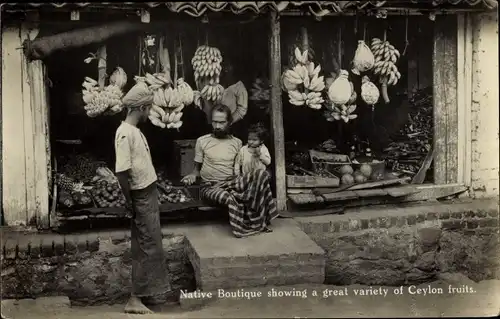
(135, 306)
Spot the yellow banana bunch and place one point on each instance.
(212, 92)
(386, 57)
(186, 92)
(301, 57)
(303, 82)
(207, 63)
(314, 100)
(155, 81)
(297, 98)
(118, 78)
(343, 112)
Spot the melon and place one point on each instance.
(347, 179)
(346, 169)
(366, 170)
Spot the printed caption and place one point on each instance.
(337, 292)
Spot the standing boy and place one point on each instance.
(137, 178)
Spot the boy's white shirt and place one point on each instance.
(132, 153)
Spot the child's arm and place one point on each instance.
(265, 157)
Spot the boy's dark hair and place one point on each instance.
(259, 130)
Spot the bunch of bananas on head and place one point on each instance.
(303, 83)
(207, 67)
(168, 102)
(107, 100)
(386, 56)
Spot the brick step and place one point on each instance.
(284, 257)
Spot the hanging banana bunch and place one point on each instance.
(386, 57)
(303, 83)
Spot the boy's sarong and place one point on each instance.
(150, 277)
(249, 199)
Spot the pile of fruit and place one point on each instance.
(169, 193)
(108, 194)
(81, 167)
(71, 193)
(105, 100)
(349, 176)
(207, 67)
(303, 82)
(386, 56)
(168, 101)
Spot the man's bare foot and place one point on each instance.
(135, 306)
(268, 230)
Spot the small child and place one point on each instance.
(255, 154)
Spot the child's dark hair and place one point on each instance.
(259, 130)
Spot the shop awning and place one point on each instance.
(318, 8)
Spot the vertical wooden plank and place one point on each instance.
(29, 136)
(277, 111)
(13, 157)
(40, 109)
(464, 98)
(1, 126)
(444, 64)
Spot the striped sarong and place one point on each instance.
(249, 200)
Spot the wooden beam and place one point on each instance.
(277, 111)
(464, 98)
(444, 64)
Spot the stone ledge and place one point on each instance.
(18, 245)
(469, 214)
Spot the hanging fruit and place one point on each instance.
(303, 83)
(363, 59)
(369, 91)
(386, 56)
(340, 91)
(343, 112)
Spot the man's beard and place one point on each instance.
(220, 133)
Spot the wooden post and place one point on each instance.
(102, 55)
(444, 64)
(277, 111)
(40, 109)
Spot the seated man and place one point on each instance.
(248, 197)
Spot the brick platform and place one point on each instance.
(283, 257)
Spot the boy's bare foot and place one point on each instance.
(135, 306)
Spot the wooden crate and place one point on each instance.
(294, 181)
(327, 161)
(184, 156)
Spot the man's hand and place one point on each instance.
(129, 208)
(189, 179)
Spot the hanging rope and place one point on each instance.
(407, 43)
(364, 31)
(356, 26)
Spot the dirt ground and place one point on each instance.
(482, 299)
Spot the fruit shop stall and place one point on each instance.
(183, 68)
(263, 65)
(372, 98)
